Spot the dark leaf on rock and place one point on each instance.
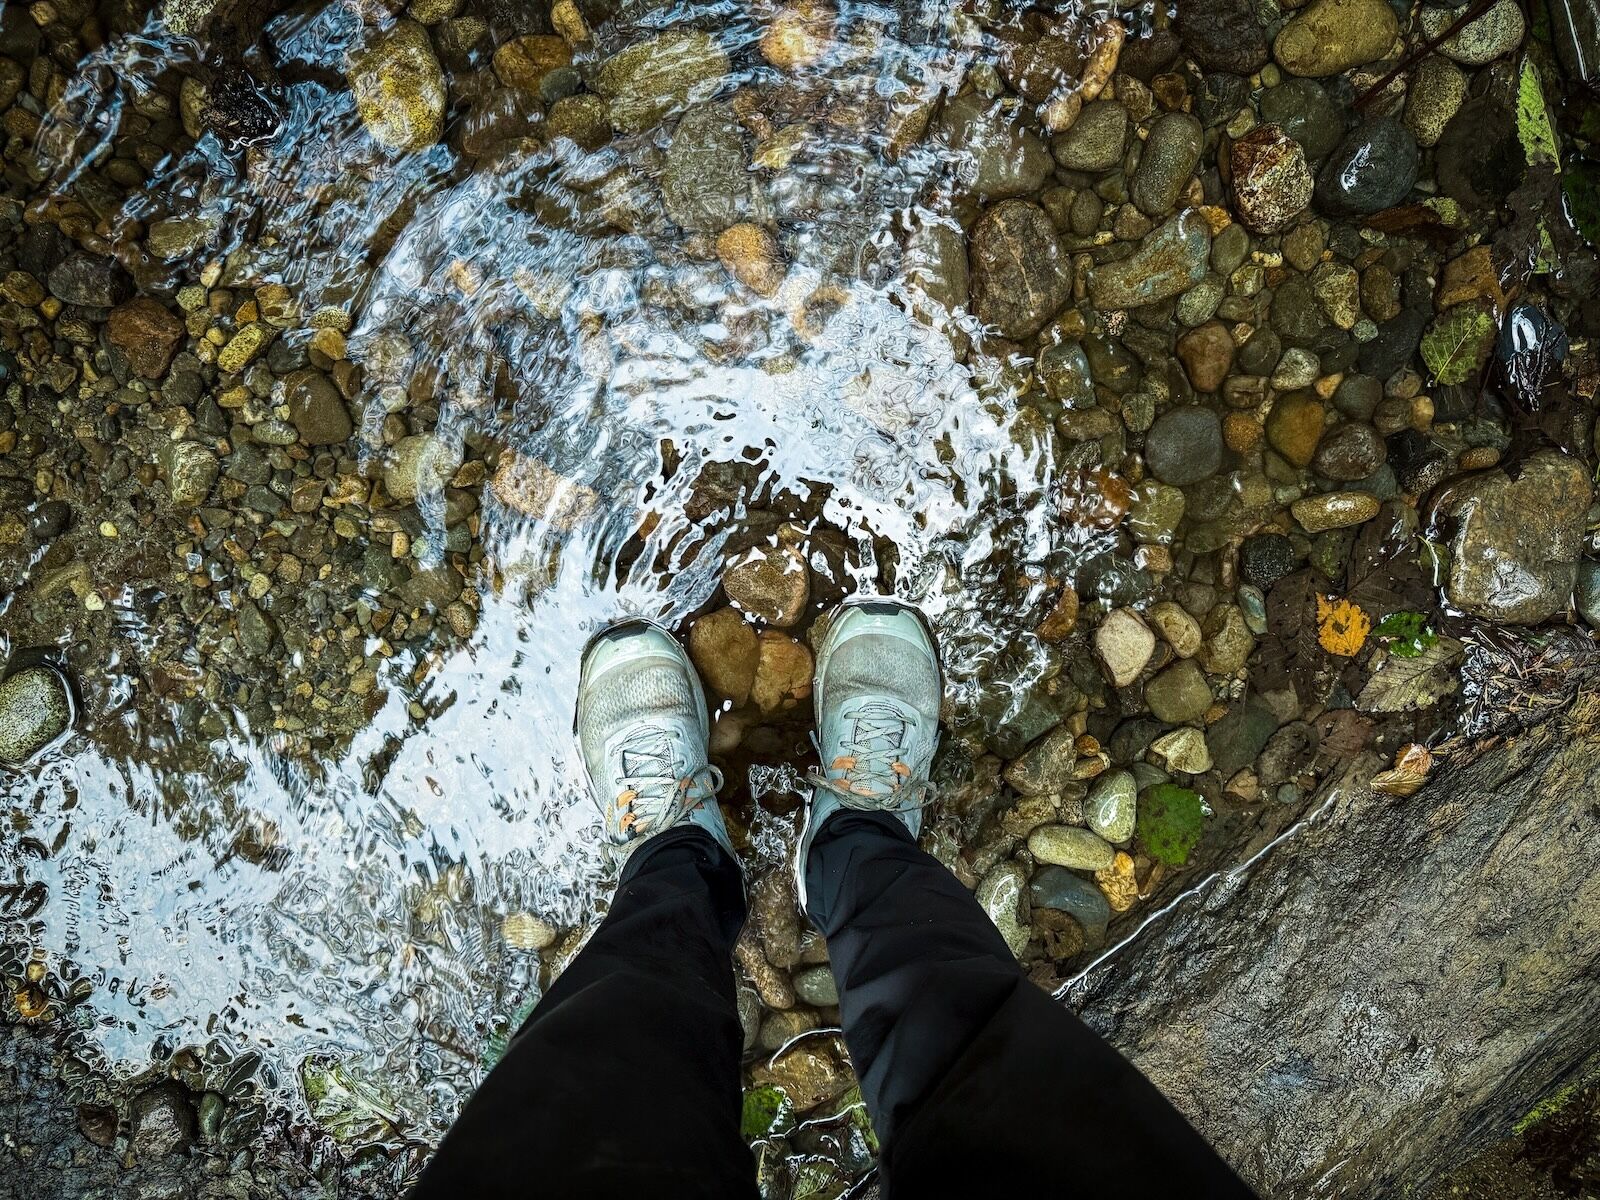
(1384, 573)
(1291, 654)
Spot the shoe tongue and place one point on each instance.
(649, 757)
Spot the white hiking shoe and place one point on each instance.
(877, 693)
(642, 728)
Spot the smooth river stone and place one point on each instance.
(1170, 261)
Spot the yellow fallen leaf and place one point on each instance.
(1409, 773)
(1342, 627)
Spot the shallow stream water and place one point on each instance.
(303, 820)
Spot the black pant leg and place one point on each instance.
(624, 1080)
(975, 1077)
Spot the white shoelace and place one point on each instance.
(658, 795)
(874, 775)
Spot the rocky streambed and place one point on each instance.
(1221, 379)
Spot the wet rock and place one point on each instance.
(1334, 510)
(523, 62)
(1337, 288)
(1330, 36)
(1435, 96)
(98, 1123)
(162, 1121)
(1304, 111)
(1419, 463)
(1176, 627)
(1171, 152)
(529, 486)
(649, 79)
(1111, 808)
(1514, 556)
(1297, 368)
(1588, 592)
(783, 673)
(798, 35)
(244, 347)
(769, 582)
(1096, 140)
(780, 1028)
(811, 1073)
(90, 281)
(1170, 260)
(49, 520)
(1045, 768)
(1373, 168)
(1271, 182)
(1296, 316)
(1182, 752)
(997, 156)
(399, 88)
(815, 986)
(704, 184)
(1020, 273)
(35, 709)
(420, 465)
(1068, 846)
(1124, 644)
(1058, 888)
(317, 409)
(1223, 35)
(1228, 640)
(145, 331)
(257, 631)
(936, 263)
(1184, 445)
(1002, 894)
(1294, 427)
(1157, 509)
(192, 471)
(1351, 452)
(1064, 371)
(751, 255)
(1484, 39)
(1267, 558)
(1396, 343)
(1179, 694)
(1207, 355)
(584, 120)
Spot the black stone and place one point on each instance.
(1372, 169)
(1418, 462)
(1266, 558)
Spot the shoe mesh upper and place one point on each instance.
(650, 691)
(877, 664)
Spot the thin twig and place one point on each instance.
(1475, 11)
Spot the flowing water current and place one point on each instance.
(477, 327)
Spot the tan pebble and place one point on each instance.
(798, 36)
(750, 254)
(1241, 432)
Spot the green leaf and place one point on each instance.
(767, 1113)
(1458, 342)
(1408, 633)
(1171, 820)
(1581, 182)
(1534, 130)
